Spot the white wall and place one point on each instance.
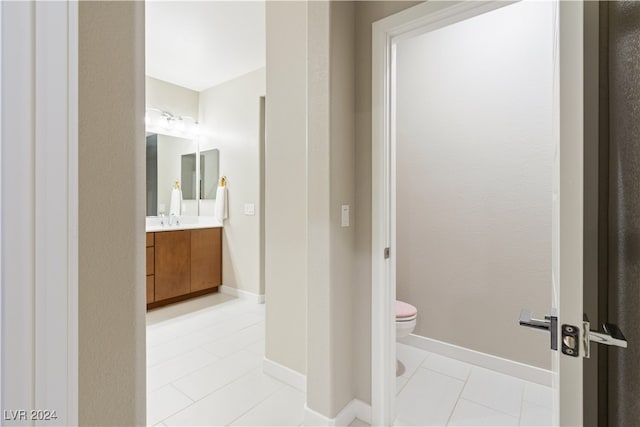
(474, 158)
(286, 188)
(230, 121)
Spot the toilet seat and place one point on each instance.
(405, 312)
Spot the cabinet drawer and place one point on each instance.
(150, 239)
(150, 261)
(150, 289)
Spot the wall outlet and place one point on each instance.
(249, 209)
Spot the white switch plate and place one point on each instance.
(345, 215)
(249, 209)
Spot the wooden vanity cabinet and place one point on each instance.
(184, 263)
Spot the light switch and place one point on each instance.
(249, 209)
(345, 216)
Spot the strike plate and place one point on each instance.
(571, 340)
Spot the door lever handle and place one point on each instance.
(550, 324)
(611, 335)
(526, 319)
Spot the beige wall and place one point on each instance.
(367, 12)
(338, 158)
(331, 184)
(341, 173)
(286, 190)
(474, 156)
(175, 99)
(230, 120)
(320, 351)
(111, 314)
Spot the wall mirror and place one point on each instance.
(171, 159)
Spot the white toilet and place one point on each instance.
(406, 315)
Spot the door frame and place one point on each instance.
(567, 213)
(39, 207)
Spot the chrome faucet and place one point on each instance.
(162, 219)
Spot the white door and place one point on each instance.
(567, 225)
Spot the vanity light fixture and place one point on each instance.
(155, 118)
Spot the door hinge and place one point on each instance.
(387, 253)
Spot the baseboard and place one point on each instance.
(354, 409)
(495, 363)
(287, 375)
(239, 293)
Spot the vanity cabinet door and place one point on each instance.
(151, 289)
(206, 258)
(172, 266)
(150, 261)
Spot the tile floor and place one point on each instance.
(434, 390)
(204, 367)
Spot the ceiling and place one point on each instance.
(199, 44)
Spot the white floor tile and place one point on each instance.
(164, 402)
(428, 398)
(469, 413)
(216, 375)
(228, 403)
(232, 321)
(170, 349)
(447, 366)
(538, 394)
(535, 415)
(494, 390)
(359, 423)
(400, 383)
(257, 347)
(409, 358)
(235, 341)
(186, 308)
(161, 334)
(166, 372)
(284, 408)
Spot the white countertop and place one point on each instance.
(153, 223)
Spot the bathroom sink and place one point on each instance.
(156, 223)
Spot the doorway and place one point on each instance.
(204, 353)
(479, 319)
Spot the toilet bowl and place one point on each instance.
(406, 315)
